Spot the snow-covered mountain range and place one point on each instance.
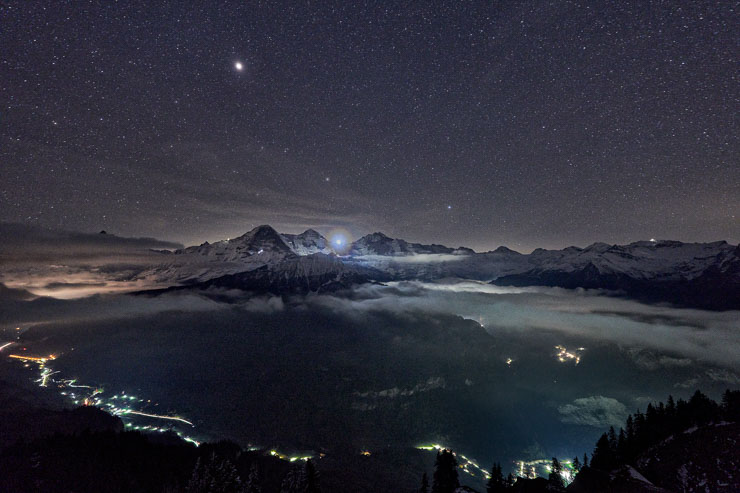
(693, 274)
(704, 275)
(380, 244)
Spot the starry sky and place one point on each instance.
(528, 124)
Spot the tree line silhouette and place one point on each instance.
(612, 450)
(658, 422)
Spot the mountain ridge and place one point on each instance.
(701, 275)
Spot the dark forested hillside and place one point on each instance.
(673, 446)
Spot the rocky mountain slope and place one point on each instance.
(262, 243)
(705, 458)
(311, 273)
(308, 243)
(380, 244)
(705, 275)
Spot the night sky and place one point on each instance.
(465, 123)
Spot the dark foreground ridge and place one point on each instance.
(679, 446)
(86, 450)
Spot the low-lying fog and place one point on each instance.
(465, 364)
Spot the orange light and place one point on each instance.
(32, 358)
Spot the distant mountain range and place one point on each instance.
(380, 244)
(703, 275)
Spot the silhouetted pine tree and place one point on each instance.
(670, 408)
(612, 439)
(661, 416)
(200, 479)
(215, 475)
(496, 483)
(731, 405)
(684, 414)
(253, 482)
(639, 430)
(510, 480)
(445, 473)
(312, 478)
(555, 479)
(294, 481)
(701, 409)
(630, 437)
(651, 421)
(603, 456)
(424, 484)
(622, 450)
(576, 464)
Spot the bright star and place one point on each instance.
(239, 66)
(340, 240)
(449, 207)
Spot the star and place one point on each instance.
(289, 101)
(339, 241)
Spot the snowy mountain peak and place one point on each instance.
(307, 243)
(598, 247)
(506, 250)
(375, 237)
(264, 232)
(262, 241)
(381, 244)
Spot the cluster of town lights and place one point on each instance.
(525, 469)
(469, 466)
(564, 355)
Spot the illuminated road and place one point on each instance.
(120, 404)
(124, 412)
(38, 359)
(88, 395)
